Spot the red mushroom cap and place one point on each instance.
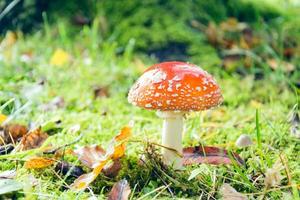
(175, 86)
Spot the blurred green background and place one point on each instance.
(236, 35)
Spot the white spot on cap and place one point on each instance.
(168, 102)
(159, 76)
(198, 88)
(177, 86)
(176, 78)
(148, 105)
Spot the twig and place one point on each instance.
(8, 8)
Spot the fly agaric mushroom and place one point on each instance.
(174, 89)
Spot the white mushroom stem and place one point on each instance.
(172, 137)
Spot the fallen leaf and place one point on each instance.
(9, 174)
(84, 180)
(97, 158)
(68, 169)
(243, 141)
(9, 185)
(120, 191)
(38, 163)
(209, 155)
(229, 193)
(33, 139)
(2, 118)
(60, 57)
(90, 156)
(11, 133)
(101, 91)
(124, 134)
(119, 151)
(112, 169)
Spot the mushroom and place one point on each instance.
(174, 89)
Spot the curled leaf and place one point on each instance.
(209, 155)
(33, 139)
(120, 191)
(90, 156)
(38, 163)
(112, 169)
(84, 180)
(124, 134)
(97, 158)
(11, 133)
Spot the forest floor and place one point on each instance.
(78, 92)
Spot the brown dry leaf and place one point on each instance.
(2, 118)
(11, 133)
(120, 191)
(229, 193)
(212, 33)
(90, 156)
(209, 155)
(101, 91)
(38, 163)
(33, 139)
(114, 152)
(111, 170)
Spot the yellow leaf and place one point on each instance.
(83, 181)
(97, 158)
(119, 151)
(124, 134)
(60, 57)
(38, 163)
(2, 118)
(9, 40)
